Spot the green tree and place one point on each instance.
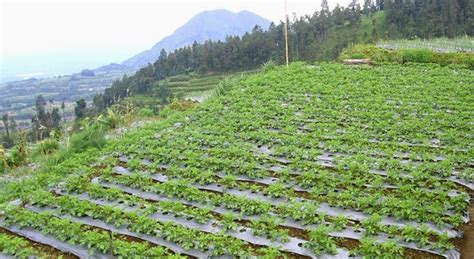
(80, 109)
(368, 7)
(55, 119)
(99, 102)
(63, 110)
(40, 105)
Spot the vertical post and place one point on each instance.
(111, 245)
(286, 35)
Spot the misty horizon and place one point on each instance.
(47, 49)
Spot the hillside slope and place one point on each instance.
(208, 25)
(303, 161)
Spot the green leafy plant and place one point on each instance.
(228, 222)
(369, 248)
(372, 225)
(269, 227)
(277, 190)
(16, 246)
(320, 241)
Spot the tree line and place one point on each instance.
(318, 37)
(429, 18)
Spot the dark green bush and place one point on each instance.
(166, 112)
(417, 55)
(145, 112)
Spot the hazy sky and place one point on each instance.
(97, 32)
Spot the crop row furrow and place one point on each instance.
(431, 196)
(42, 238)
(247, 195)
(210, 226)
(344, 233)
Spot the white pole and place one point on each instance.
(286, 35)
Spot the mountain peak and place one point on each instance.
(207, 25)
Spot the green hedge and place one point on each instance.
(402, 56)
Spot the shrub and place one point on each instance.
(111, 119)
(166, 112)
(224, 86)
(18, 156)
(145, 112)
(417, 55)
(269, 65)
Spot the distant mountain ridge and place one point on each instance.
(207, 25)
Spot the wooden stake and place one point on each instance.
(111, 245)
(286, 35)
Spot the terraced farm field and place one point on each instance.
(323, 160)
(197, 84)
